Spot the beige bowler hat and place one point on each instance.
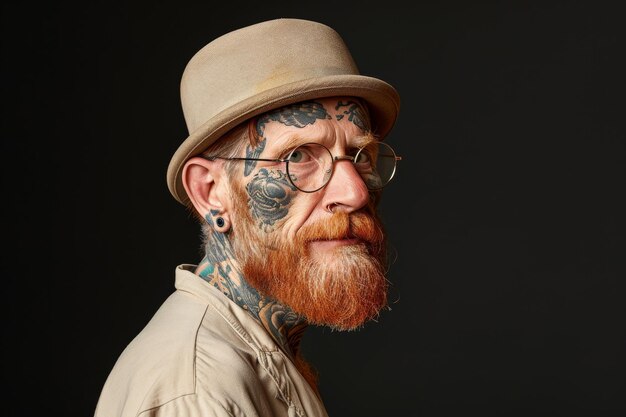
(265, 66)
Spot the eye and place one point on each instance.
(363, 157)
(297, 155)
(304, 153)
(366, 156)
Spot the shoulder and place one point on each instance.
(158, 365)
(194, 354)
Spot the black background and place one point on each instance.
(506, 217)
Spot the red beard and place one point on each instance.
(343, 290)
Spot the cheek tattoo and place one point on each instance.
(270, 194)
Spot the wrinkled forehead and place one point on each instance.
(321, 116)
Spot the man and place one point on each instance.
(284, 166)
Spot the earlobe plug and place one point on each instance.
(221, 224)
(218, 223)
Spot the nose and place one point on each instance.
(345, 190)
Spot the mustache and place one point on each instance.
(341, 225)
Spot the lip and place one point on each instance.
(333, 243)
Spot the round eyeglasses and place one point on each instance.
(310, 166)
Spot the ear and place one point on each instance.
(206, 186)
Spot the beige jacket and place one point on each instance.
(203, 355)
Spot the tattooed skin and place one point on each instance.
(218, 270)
(270, 193)
(275, 316)
(299, 115)
(354, 113)
(217, 253)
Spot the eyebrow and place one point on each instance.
(294, 141)
(354, 142)
(364, 140)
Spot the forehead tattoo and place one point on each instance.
(298, 115)
(354, 112)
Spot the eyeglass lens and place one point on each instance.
(310, 165)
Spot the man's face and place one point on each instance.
(322, 253)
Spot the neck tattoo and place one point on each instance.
(220, 269)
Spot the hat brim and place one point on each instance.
(382, 99)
